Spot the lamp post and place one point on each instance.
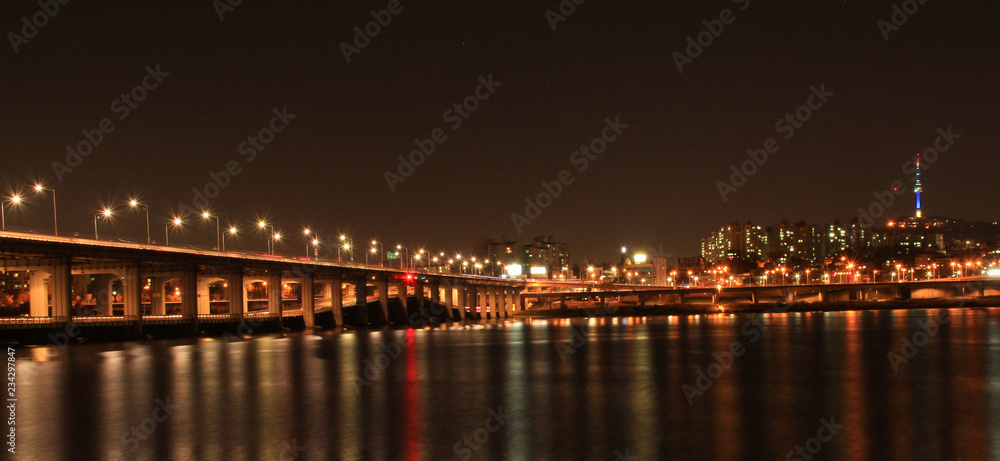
(14, 200)
(232, 231)
(373, 251)
(346, 245)
(133, 203)
(376, 245)
(269, 231)
(166, 229)
(106, 213)
(55, 219)
(218, 235)
(405, 251)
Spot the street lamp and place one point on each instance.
(346, 244)
(14, 200)
(106, 214)
(132, 203)
(373, 251)
(176, 222)
(218, 235)
(55, 220)
(405, 251)
(376, 245)
(233, 230)
(271, 235)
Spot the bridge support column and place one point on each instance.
(820, 295)
(642, 300)
(39, 293)
(104, 295)
(204, 298)
(132, 292)
(521, 301)
(418, 290)
(307, 289)
(274, 288)
(789, 296)
(337, 300)
(189, 297)
(753, 297)
(158, 297)
(61, 288)
(383, 297)
(237, 302)
(449, 300)
(484, 301)
(361, 301)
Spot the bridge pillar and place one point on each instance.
(274, 288)
(307, 289)
(204, 299)
(789, 296)
(753, 297)
(237, 302)
(361, 301)
(158, 297)
(401, 293)
(449, 300)
(132, 292)
(38, 291)
(521, 301)
(383, 296)
(435, 292)
(418, 290)
(715, 297)
(104, 295)
(189, 297)
(336, 287)
(820, 295)
(61, 288)
(642, 300)
(482, 301)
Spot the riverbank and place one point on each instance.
(628, 310)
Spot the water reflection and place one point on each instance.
(580, 389)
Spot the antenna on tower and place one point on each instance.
(917, 188)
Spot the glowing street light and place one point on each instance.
(346, 245)
(14, 200)
(218, 235)
(233, 230)
(176, 222)
(39, 188)
(106, 214)
(134, 204)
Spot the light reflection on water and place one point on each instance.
(346, 395)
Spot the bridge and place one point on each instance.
(562, 292)
(151, 289)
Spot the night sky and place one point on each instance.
(654, 187)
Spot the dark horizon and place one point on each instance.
(655, 185)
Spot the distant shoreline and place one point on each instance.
(612, 310)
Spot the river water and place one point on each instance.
(841, 385)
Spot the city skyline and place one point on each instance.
(331, 144)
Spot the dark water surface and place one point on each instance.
(618, 395)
